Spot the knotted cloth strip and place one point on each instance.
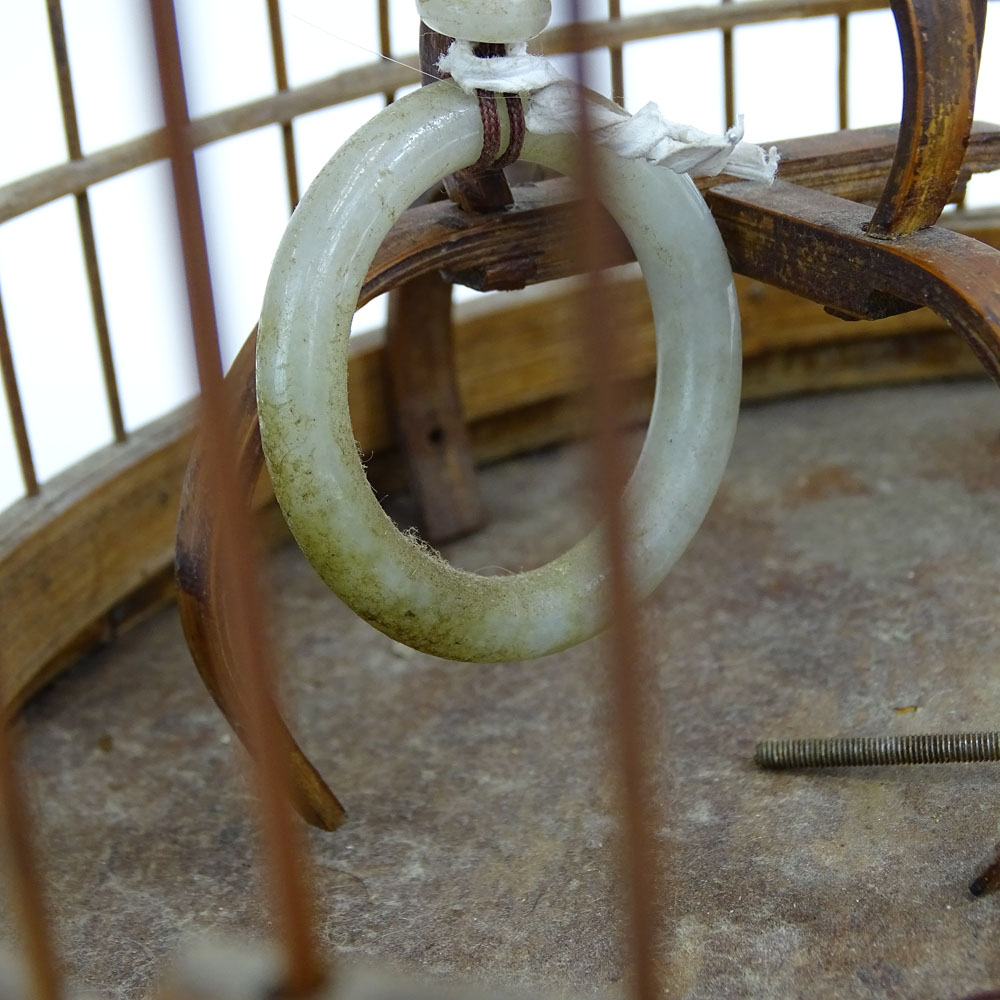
(551, 106)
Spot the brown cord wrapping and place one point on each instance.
(491, 129)
(515, 114)
(491, 156)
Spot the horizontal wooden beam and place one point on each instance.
(23, 195)
(31, 192)
(855, 163)
(530, 243)
(683, 20)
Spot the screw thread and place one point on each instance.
(862, 751)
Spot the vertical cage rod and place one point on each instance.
(843, 63)
(21, 441)
(728, 75)
(617, 57)
(260, 720)
(385, 40)
(26, 890)
(281, 81)
(67, 102)
(626, 666)
(979, 11)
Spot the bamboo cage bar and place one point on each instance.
(17, 839)
(728, 74)
(287, 878)
(385, 41)
(68, 105)
(617, 60)
(843, 69)
(628, 670)
(683, 20)
(281, 83)
(15, 410)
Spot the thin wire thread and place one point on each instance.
(67, 102)
(288, 879)
(364, 48)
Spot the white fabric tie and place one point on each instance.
(553, 103)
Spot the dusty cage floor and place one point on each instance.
(848, 571)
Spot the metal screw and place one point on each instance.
(861, 751)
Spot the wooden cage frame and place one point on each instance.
(122, 501)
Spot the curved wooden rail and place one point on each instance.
(802, 240)
(812, 243)
(202, 597)
(410, 251)
(90, 556)
(940, 42)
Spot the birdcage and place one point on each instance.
(592, 823)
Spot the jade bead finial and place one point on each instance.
(486, 20)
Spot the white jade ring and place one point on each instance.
(389, 579)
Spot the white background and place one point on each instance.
(786, 86)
